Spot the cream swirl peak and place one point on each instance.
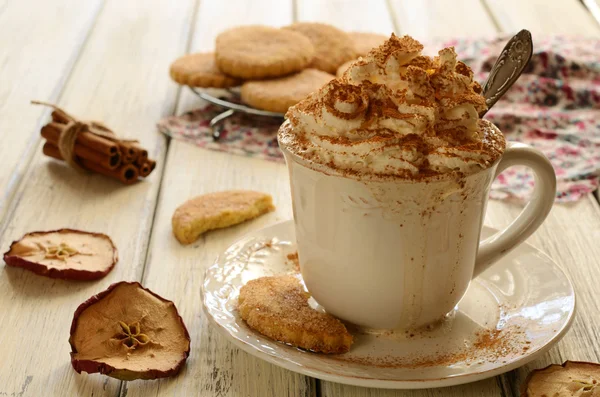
(396, 112)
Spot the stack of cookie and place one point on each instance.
(276, 68)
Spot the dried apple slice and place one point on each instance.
(573, 378)
(64, 253)
(128, 332)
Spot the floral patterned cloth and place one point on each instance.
(554, 106)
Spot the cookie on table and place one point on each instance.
(277, 307)
(257, 52)
(277, 95)
(365, 42)
(200, 70)
(217, 210)
(343, 68)
(333, 47)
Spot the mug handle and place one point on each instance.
(534, 213)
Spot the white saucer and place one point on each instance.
(511, 314)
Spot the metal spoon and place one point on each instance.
(508, 67)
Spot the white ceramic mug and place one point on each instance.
(401, 254)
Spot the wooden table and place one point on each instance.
(108, 60)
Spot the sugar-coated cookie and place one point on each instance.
(333, 47)
(200, 70)
(278, 307)
(217, 210)
(365, 42)
(257, 52)
(278, 95)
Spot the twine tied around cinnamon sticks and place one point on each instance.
(91, 146)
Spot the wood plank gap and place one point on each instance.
(390, 8)
(487, 9)
(188, 47)
(122, 391)
(294, 10)
(14, 188)
(507, 383)
(318, 388)
(594, 8)
(3, 7)
(594, 198)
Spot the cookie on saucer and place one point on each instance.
(257, 52)
(278, 95)
(365, 42)
(333, 47)
(277, 307)
(200, 70)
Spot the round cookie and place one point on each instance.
(217, 210)
(365, 42)
(200, 70)
(278, 95)
(257, 52)
(333, 47)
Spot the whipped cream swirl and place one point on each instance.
(396, 113)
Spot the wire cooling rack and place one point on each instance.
(233, 104)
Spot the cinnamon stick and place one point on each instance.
(145, 170)
(130, 154)
(59, 117)
(152, 164)
(108, 161)
(126, 173)
(85, 138)
(142, 156)
(51, 150)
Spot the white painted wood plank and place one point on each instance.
(441, 18)
(39, 43)
(121, 78)
(567, 17)
(349, 15)
(215, 367)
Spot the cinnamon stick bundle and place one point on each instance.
(126, 173)
(94, 147)
(85, 138)
(51, 132)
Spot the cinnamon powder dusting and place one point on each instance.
(293, 258)
(489, 346)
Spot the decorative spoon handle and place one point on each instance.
(508, 67)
